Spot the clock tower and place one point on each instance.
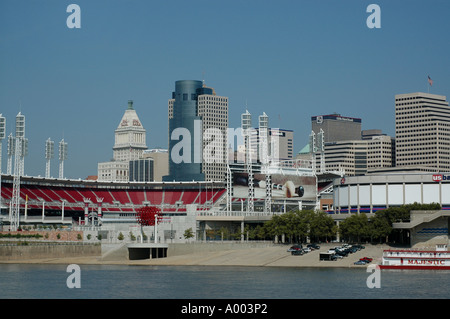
(129, 145)
(130, 141)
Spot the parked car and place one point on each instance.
(360, 262)
(306, 250)
(313, 246)
(295, 248)
(341, 253)
(366, 259)
(297, 252)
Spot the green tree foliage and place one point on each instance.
(322, 226)
(188, 233)
(296, 226)
(354, 227)
(379, 227)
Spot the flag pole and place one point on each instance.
(430, 83)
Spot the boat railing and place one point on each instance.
(415, 253)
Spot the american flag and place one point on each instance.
(430, 81)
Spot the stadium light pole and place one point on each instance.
(246, 123)
(19, 153)
(264, 157)
(49, 154)
(62, 157)
(2, 137)
(11, 150)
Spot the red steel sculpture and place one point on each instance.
(147, 215)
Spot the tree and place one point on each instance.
(381, 223)
(257, 232)
(380, 227)
(322, 225)
(224, 233)
(275, 226)
(188, 233)
(355, 227)
(300, 224)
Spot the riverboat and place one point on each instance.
(416, 259)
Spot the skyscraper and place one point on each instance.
(422, 131)
(348, 149)
(337, 127)
(284, 144)
(129, 145)
(130, 140)
(198, 122)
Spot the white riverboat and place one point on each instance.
(416, 259)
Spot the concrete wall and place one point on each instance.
(197, 247)
(119, 251)
(48, 250)
(51, 235)
(428, 235)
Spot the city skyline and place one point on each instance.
(291, 60)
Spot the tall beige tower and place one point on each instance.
(214, 112)
(422, 131)
(129, 145)
(129, 137)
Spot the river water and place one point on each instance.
(47, 281)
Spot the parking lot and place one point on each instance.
(311, 258)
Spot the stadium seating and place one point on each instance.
(114, 200)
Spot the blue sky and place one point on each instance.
(290, 59)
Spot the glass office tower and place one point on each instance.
(198, 123)
(185, 133)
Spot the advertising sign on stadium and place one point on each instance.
(290, 187)
(440, 177)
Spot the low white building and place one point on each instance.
(369, 193)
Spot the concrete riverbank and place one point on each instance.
(220, 255)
